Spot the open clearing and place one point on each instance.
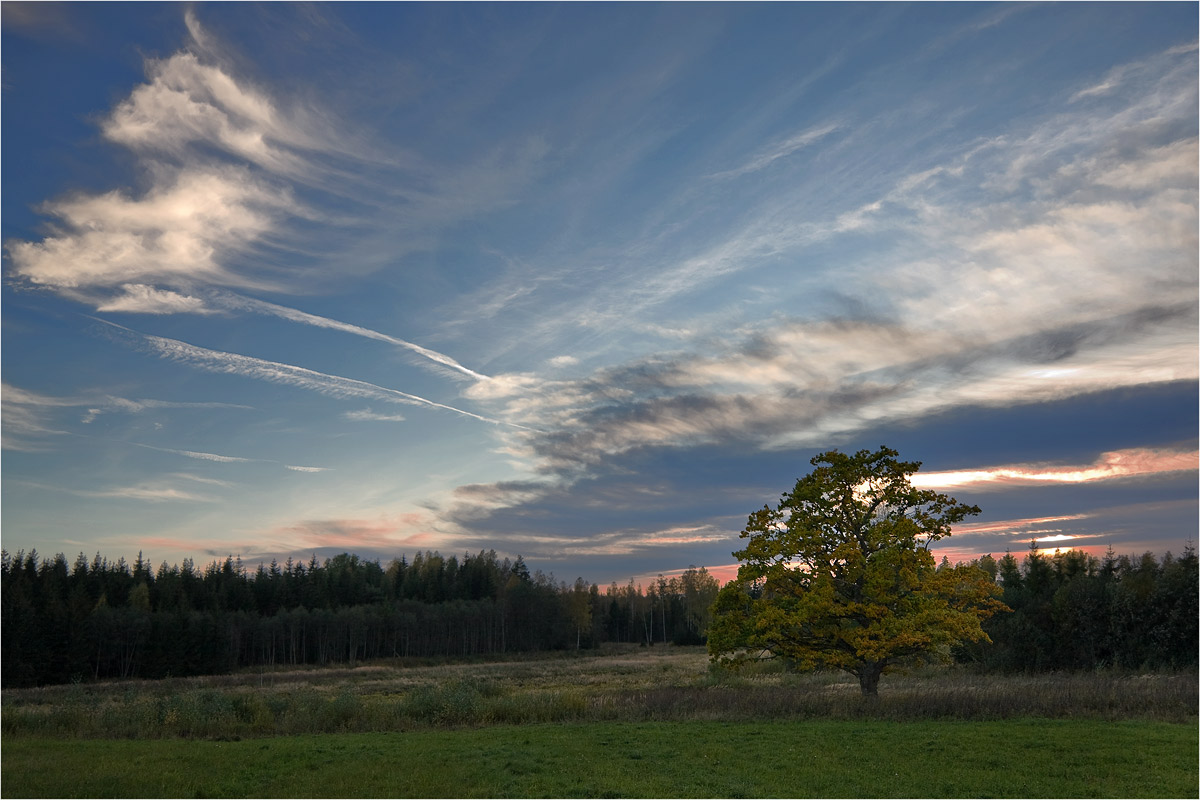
(636, 722)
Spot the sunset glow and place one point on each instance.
(1109, 466)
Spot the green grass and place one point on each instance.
(1011, 758)
(634, 722)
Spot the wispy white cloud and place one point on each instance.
(142, 299)
(26, 414)
(187, 476)
(780, 149)
(142, 404)
(1104, 87)
(23, 397)
(1054, 260)
(189, 102)
(1021, 228)
(169, 488)
(223, 459)
(972, 28)
(367, 415)
(176, 233)
(1123, 73)
(199, 209)
(24, 418)
(150, 491)
(199, 455)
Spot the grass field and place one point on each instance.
(629, 723)
(1011, 758)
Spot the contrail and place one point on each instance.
(229, 459)
(199, 455)
(288, 374)
(237, 302)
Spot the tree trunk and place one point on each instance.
(868, 677)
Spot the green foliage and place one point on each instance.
(1019, 758)
(839, 574)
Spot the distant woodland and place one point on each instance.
(96, 619)
(100, 619)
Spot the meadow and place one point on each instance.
(624, 722)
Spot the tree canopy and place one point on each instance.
(839, 574)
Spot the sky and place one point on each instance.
(589, 284)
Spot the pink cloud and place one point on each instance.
(388, 532)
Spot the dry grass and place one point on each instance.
(629, 684)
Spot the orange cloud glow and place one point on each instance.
(724, 573)
(1109, 466)
(958, 555)
(1018, 526)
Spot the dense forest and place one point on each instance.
(1072, 611)
(96, 619)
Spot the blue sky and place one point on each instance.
(591, 283)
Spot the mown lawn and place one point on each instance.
(800, 758)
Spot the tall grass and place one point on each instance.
(676, 684)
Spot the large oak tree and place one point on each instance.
(839, 574)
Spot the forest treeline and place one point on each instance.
(96, 619)
(1073, 611)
